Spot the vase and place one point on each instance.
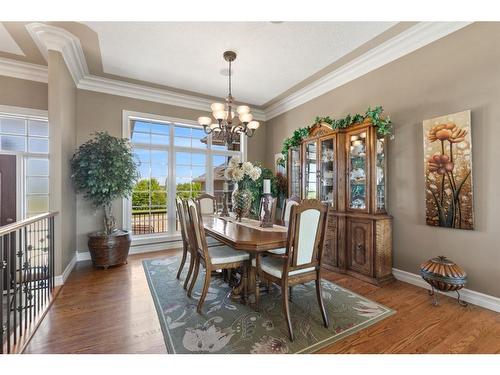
(242, 202)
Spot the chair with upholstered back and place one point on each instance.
(208, 204)
(211, 258)
(289, 203)
(301, 261)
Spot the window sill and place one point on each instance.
(148, 239)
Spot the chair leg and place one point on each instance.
(206, 285)
(320, 301)
(190, 271)
(257, 291)
(195, 275)
(183, 262)
(290, 292)
(286, 310)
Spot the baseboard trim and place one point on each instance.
(470, 296)
(61, 279)
(138, 249)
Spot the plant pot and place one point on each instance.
(109, 250)
(242, 202)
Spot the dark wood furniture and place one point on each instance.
(301, 261)
(186, 248)
(346, 169)
(213, 258)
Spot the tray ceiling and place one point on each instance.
(272, 57)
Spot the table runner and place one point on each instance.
(254, 224)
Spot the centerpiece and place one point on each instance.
(241, 174)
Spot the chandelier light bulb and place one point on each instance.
(204, 121)
(246, 117)
(220, 115)
(216, 107)
(243, 109)
(253, 125)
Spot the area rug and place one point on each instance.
(226, 326)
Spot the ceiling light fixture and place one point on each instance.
(229, 129)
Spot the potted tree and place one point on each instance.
(104, 169)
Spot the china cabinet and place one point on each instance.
(346, 169)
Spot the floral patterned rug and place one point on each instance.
(227, 326)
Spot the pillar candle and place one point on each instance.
(225, 187)
(267, 186)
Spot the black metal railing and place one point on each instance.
(26, 277)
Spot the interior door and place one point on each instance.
(8, 196)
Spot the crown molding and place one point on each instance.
(23, 70)
(51, 38)
(55, 38)
(402, 44)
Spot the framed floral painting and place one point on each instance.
(448, 171)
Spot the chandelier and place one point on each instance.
(227, 128)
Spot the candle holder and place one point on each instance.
(225, 210)
(267, 203)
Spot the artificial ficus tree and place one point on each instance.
(104, 169)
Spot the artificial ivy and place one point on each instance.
(383, 125)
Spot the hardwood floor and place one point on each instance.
(112, 311)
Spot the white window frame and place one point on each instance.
(127, 116)
(21, 156)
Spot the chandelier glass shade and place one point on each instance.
(224, 120)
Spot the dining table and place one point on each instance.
(246, 235)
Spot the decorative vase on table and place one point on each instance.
(242, 174)
(242, 202)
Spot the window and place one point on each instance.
(176, 159)
(28, 138)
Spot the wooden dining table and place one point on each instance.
(247, 238)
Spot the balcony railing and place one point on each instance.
(26, 278)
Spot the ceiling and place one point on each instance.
(272, 57)
(7, 43)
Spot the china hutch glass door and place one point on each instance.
(310, 172)
(327, 171)
(380, 174)
(357, 192)
(294, 166)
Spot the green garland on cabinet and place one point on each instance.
(383, 125)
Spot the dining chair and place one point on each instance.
(301, 261)
(289, 203)
(183, 215)
(273, 209)
(211, 258)
(208, 204)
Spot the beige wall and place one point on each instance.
(458, 72)
(103, 112)
(62, 120)
(22, 93)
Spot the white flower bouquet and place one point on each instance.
(241, 173)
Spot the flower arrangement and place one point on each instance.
(242, 173)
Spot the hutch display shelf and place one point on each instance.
(346, 169)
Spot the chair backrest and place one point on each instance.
(183, 221)
(207, 204)
(199, 241)
(289, 203)
(273, 208)
(306, 235)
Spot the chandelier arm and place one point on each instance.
(207, 130)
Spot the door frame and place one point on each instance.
(20, 197)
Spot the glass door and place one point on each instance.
(327, 171)
(294, 167)
(357, 164)
(310, 172)
(380, 174)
